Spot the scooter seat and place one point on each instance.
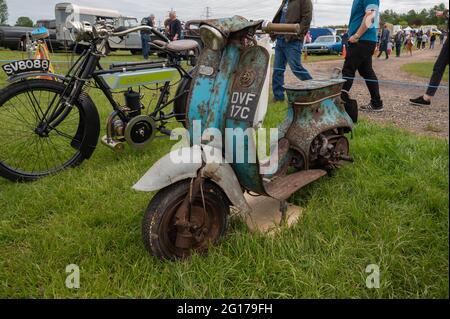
(182, 45)
(312, 91)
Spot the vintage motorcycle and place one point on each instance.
(50, 123)
(230, 90)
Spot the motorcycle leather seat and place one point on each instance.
(182, 45)
(160, 43)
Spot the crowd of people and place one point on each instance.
(408, 40)
(172, 28)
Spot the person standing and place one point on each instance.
(419, 39)
(399, 39)
(409, 44)
(288, 49)
(174, 27)
(438, 71)
(442, 37)
(424, 41)
(384, 41)
(432, 41)
(363, 24)
(145, 35)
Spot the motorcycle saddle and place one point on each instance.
(177, 46)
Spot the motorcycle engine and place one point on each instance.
(141, 129)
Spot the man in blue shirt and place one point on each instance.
(289, 47)
(364, 21)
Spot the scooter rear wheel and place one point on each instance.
(209, 215)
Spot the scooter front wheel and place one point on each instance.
(209, 213)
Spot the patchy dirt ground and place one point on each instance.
(432, 120)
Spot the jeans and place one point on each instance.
(438, 70)
(145, 38)
(287, 52)
(359, 58)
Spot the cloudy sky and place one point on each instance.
(327, 12)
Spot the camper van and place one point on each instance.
(70, 12)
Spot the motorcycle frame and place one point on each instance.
(88, 67)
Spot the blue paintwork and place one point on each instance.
(211, 96)
(210, 93)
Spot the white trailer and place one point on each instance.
(65, 12)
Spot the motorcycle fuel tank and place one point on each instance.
(136, 78)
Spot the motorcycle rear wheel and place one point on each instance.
(158, 227)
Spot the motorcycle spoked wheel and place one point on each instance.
(159, 231)
(27, 156)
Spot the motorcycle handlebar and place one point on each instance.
(281, 28)
(141, 28)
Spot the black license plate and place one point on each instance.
(23, 66)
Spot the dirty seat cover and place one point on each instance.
(181, 45)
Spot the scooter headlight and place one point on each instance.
(212, 38)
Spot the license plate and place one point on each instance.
(23, 66)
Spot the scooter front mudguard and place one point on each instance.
(167, 172)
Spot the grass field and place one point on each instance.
(422, 69)
(389, 208)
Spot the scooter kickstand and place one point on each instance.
(283, 209)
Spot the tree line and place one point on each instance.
(21, 21)
(415, 18)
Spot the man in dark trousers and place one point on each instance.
(384, 40)
(399, 40)
(145, 35)
(174, 27)
(288, 49)
(419, 39)
(438, 71)
(362, 43)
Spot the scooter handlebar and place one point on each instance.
(280, 28)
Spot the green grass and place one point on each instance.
(423, 69)
(388, 208)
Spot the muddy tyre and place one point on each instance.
(158, 227)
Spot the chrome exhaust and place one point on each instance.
(114, 145)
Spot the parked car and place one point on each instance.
(318, 32)
(431, 29)
(327, 44)
(191, 31)
(15, 38)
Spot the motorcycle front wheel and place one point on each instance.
(28, 152)
(209, 218)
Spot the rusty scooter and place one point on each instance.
(230, 91)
